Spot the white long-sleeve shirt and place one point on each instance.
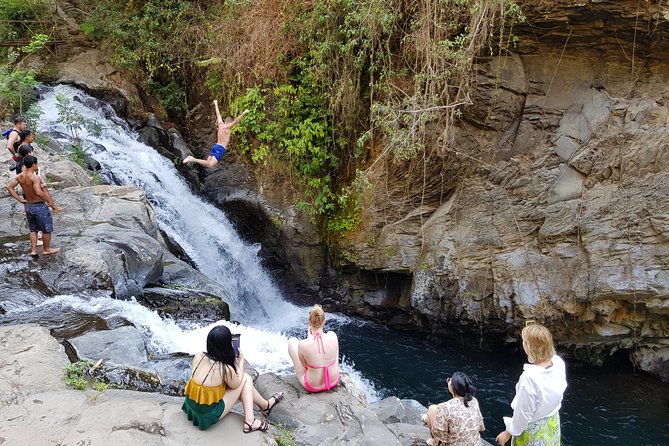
(538, 395)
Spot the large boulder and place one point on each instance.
(185, 304)
(91, 70)
(108, 240)
(265, 214)
(124, 362)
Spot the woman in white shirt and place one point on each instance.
(539, 391)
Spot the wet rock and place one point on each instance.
(185, 304)
(653, 360)
(178, 145)
(290, 245)
(154, 135)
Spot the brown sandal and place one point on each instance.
(262, 427)
(277, 397)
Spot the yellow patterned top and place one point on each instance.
(204, 394)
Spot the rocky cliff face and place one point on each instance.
(552, 205)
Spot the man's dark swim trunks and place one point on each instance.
(217, 151)
(39, 217)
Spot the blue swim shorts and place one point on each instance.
(218, 151)
(39, 217)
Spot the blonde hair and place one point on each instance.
(316, 316)
(537, 343)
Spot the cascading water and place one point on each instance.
(202, 231)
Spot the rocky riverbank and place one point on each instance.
(38, 408)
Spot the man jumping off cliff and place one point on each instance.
(35, 201)
(223, 138)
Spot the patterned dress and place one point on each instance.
(457, 425)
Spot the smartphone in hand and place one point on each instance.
(235, 344)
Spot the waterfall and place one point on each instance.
(205, 235)
(201, 229)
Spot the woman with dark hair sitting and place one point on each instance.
(218, 381)
(458, 421)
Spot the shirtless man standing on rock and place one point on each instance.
(36, 203)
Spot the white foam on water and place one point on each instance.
(266, 349)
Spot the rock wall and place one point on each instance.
(552, 205)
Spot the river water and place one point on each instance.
(601, 407)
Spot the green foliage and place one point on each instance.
(347, 215)
(171, 95)
(289, 123)
(154, 39)
(95, 177)
(42, 141)
(100, 386)
(33, 115)
(74, 374)
(37, 43)
(284, 435)
(92, 30)
(16, 85)
(16, 10)
(174, 286)
(78, 155)
(359, 75)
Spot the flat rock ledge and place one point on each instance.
(38, 408)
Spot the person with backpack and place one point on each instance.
(13, 135)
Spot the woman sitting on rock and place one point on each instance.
(218, 381)
(316, 358)
(458, 421)
(539, 393)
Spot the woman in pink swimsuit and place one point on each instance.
(316, 358)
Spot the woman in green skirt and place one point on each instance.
(539, 391)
